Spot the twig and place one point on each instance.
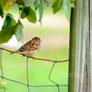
(38, 58)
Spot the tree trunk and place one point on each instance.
(80, 65)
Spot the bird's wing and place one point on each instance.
(29, 46)
(25, 47)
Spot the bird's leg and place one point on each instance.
(23, 55)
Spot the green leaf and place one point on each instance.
(1, 11)
(25, 12)
(0, 59)
(39, 5)
(32, 16)
(5, 35)
(57, 6)
(19, 34)
(40, 11)
(20, 2)
(46, 2)
(29, 2)
(2, 2)
(52, 1)
(8, 29)
(67, 8)
(9, 22)
(72, 3)
(29, 13)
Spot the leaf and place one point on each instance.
(1, 8)
(57, 6)
(39, 5)
(25, 12)
(5, 35)
(1, 12)
(0, 59)
(29, 13)
(20, 2)
(72, 3)
(53, 1)
(32, 16)
(40, 11)
(67, 8)
(47, 2)
(29, 2)
(19, 34)
(9, 22)
(8, 4)
(8, 29)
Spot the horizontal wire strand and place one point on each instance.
(36, 58)
(30, 85)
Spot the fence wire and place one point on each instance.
(27, 75)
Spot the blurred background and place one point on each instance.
(54, 33)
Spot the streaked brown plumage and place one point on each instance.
(29, 48)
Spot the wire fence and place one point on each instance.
(27, 84)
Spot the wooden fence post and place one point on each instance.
(80, 65)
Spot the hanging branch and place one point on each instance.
(38, 58)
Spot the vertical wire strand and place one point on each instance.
(1, 63)
(27, 74)
(49, 77)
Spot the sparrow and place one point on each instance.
(29, 48)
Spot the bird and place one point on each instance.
(29, 48)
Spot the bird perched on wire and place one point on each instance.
(29, 48)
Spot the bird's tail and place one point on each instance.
(14, 52)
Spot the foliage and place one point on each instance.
(27, 9)
(72, 3)
(57, 5)
(29, 13)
